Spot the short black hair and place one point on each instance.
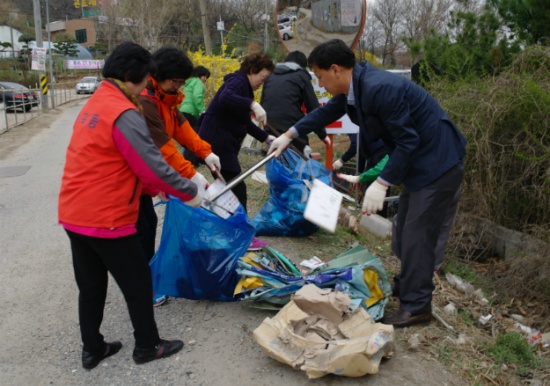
(129, 62)
(201, 71)
(297, 57)
(171, 63)
(256, 62)
(334, 51)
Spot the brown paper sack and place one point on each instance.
(316, 333)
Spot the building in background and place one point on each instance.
(81, 30)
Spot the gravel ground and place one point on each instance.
(40, 335)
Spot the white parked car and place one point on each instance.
(286, 32)
(88, 85)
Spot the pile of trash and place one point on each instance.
(269, 279)
(317, 333)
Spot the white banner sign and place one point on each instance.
(84, 64)
(38, 59)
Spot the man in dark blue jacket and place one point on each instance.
(426, 155)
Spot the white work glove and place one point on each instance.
(195, 202)
(213, 162)
(374, 198)
(270, 138)
(348, 178)
(258, 113)
(279, 145)
(327, 141)
(307, 151)
(202, 183)
(337, 164)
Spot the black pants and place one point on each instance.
(189, 155)
(421, 222)
(123, 257)
(239, 190)
(147, 225)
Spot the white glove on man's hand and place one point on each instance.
(348, 178)
(337, 164)
(270, 138)
(195, 202)
(213, 162)
(258, 113)
(202, 183)
(327, 141)
(374, 198)
(279, 145)
(307, 151)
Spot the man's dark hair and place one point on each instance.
(129, 62)
(297, 57)
(201, 71)
(171, 63)
(256, 62)
(334, 51)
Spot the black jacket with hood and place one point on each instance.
(285, 92)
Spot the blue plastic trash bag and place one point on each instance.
(198, 252)
(283, 213)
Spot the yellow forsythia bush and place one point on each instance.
(219, 67)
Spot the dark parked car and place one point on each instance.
(17, 96)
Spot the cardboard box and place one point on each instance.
(317, 333)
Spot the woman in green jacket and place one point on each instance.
(193, 103)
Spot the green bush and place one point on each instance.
(506, 120)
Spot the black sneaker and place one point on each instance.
(162, 350)
(92, 359)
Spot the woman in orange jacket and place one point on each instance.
(160, 100)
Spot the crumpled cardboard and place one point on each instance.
(316, 333)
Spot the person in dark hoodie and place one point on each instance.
(232, 114)
(285, 95)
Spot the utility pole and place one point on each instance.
(205, 29)
(221, 28)
(52, 82)
(12, 45)
(266, 34)
(39, 44)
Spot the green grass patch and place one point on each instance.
(466, 316)
(462, 270)
(513, 350)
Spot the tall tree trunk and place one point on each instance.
(205, 29)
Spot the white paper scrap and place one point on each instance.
(323, 206)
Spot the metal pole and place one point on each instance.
(266, 19)
(221, 34)
(11, 36)
(52, 82)
(39, 44)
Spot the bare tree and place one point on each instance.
(389, 14)
(144, 21)
(421, 17)
(373, 35)
(205, 29)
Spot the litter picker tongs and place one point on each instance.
(238, 179)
